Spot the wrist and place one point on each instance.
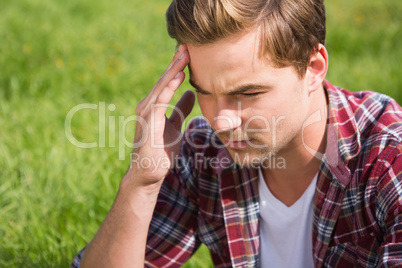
(135, 181)
(136, 197)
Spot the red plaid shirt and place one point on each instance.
(357, 204)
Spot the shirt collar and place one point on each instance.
(343, 135)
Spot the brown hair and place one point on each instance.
(290, 29)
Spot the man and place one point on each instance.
(283, 170)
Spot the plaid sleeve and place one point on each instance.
(77, 260)
(389, 208)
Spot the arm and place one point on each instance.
(389, 209)
(121, 240)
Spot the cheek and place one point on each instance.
(273, 116)
(256, 119)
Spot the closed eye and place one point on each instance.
(251, 94)
(200, 91)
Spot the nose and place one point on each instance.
(228, 117)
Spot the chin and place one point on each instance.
(250, 158)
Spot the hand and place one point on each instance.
(157, 138)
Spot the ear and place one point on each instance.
(317, 68)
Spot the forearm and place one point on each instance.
(121, 240)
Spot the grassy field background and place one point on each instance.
(55, 55)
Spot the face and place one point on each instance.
(256, 110)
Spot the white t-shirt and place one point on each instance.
(286, 232)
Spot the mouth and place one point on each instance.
(236, 144)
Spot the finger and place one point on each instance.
(182, 109)
(169, 80)
(178, 66)
(163, 82)
(165, 96)
(177, 55)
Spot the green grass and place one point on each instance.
(55, 55)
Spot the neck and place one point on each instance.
(302, 156)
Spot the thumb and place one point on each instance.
(182, 109)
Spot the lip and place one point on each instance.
(237, 144)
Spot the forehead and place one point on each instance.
(240, 48)
(225, 62)
(230, 63)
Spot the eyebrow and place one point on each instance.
(238, 90)
(198, 88)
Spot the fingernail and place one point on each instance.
(178, 48)
(177, 75)
(181, 56)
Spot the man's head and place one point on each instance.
(257, 67)
(290, 29)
